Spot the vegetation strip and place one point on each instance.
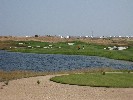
(78, 48)
(117, 80)
(12, 75)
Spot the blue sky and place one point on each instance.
(66, 17)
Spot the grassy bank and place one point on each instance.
(86, 77)
(79, 48)
(117, 80)
(12, 75)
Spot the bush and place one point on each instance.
(103, 73)
(129, 71)
(38, 82)
(6, 82)
(36, 35)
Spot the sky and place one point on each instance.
(66, 17)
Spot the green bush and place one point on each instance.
(38, 82)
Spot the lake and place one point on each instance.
(10, 61)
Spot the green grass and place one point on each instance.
(89, 49)
(117, 80)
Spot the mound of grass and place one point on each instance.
(117, 80)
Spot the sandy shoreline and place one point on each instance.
(28, 89)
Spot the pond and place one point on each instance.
(10, 61)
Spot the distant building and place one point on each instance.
(61, 37)
(86, 36)
(68, 37)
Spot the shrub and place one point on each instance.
(103, 73)
(36, 36)
(129, 71)
(38, 82)
(6, 82)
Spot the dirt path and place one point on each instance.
(28, 89)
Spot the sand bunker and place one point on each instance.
(29, 89)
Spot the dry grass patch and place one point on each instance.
(6, 76)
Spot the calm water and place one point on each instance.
(50, 62)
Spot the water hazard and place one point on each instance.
(10, 61)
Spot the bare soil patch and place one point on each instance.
(104, 41)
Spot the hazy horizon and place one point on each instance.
(66, 17)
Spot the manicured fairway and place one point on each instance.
(118, 80)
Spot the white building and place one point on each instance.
(68, 37)
(61, 37)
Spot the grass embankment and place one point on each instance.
(90, 77)
(6, 76)
(117, 80)
(63, 48)
(12, 75)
